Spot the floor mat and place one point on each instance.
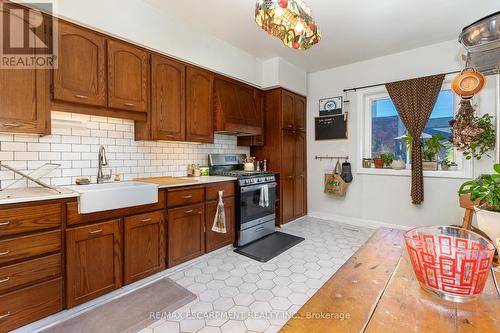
(129, 313)
(269, 247)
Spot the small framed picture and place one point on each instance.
(331, 106)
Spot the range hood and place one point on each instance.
(481, 39)
(235, 109)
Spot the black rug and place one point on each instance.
(269, 247)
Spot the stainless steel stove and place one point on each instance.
(255, 217)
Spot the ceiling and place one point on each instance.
(352, 30)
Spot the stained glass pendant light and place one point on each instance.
(289, 20)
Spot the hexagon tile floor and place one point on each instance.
(238, 294)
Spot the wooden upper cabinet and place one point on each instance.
(24, 93)
(93, 267)
(247, 106)
(127, 77)
(227, 101)
(300, 113)
(199, 106)
(81, 75)
(168, 107)
(288, 110)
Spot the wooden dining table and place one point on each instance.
(376, 291)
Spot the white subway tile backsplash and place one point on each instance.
(75, 149)
(25, 156)
(13, 146)
(40, 147)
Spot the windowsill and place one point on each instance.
(459, 174)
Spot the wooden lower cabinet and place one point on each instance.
(27, 305)
(186, 233)
(214, 240)
(93, 261)
(144, 245)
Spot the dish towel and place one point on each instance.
(219, 225)
(264, 196)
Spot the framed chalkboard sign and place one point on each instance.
(331, 127)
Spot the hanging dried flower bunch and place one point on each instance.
(472, 135)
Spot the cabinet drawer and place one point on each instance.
(212, 191)
(27, 305)
(145, 218)
(19, 220)
(30, 271)
(187, 196)
(29, 246)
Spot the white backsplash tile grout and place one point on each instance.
(76, 150)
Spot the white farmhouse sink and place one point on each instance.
(101, 197)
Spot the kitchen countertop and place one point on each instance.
(31, 194)
(190, 181)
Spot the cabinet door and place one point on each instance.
(246, 104)
(80, 76)
(300, 193)
(186, 233)
(228, 99)
(144, 245)
(93, 261)
(300, 112)
(199, 115)
(127, 77)
(168, 106)
(258, 140)
(288, 175)
(24, 93)
(288, 111)
(213, 239)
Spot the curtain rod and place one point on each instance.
(382, 84)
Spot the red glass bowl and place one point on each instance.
(451, 262)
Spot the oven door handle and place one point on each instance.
(257, 187)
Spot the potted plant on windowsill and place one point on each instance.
(486, 189)
(379, 162)
(430, 151)
(387, 159)
(448, 165)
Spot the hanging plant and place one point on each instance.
(487, 139)
(472, 135)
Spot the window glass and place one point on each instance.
(388, 129)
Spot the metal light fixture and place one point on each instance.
(289, 20)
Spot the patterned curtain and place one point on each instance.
(414, 100)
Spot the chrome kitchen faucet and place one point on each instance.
(103, 161)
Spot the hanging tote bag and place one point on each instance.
(334, 184)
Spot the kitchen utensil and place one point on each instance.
(468, 83)
(453, 263)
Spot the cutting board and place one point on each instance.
(165, 180)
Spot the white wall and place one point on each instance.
(276, 72)
(374, 198)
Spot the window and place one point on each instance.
(382, 131)
(388, 130)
